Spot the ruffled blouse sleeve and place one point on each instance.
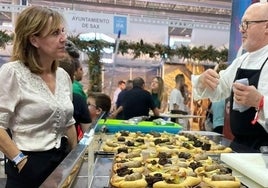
(9, 94)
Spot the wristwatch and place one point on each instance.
(20, 157)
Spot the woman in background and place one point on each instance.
(158, 93)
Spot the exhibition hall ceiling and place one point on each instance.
(219, 10)
(210, 10)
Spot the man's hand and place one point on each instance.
(246, 95)
(209, 79)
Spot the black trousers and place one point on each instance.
(218, 129)
(38, 167)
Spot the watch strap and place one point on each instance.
(20, 157)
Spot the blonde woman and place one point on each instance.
(36, 99)
(158, 93)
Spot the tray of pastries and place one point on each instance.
(162, 142)
(151, 168)
(161, 160)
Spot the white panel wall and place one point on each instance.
(159, 34)
(207, 37)
(149, 33)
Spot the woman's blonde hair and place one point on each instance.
(33, 21)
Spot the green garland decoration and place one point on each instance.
(4, 39)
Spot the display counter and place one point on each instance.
(66, 173)
(88, 166)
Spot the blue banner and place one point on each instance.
(120, 25)
(238, 9)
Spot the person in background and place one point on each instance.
(36, 100)
(121, 85)
(208, 124)
(248, 124)
(81, 111)
(186, 96)
(118, 113)
(158, 93)
(227, 133)
(78, 73)
(176, 100)
(217, 110)
(97, 104)
(138, 101)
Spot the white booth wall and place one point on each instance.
(159, 34)
(216, 38)
(148, 33)
(151, 30)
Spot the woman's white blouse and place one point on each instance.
(37, 117)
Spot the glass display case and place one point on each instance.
(89, 166)
(84, 166)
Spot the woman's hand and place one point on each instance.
(22, 163)
(72, 136)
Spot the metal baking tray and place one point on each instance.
(102, 171)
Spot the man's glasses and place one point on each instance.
(244, 24)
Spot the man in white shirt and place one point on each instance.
(121, 86)
(249, 127)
